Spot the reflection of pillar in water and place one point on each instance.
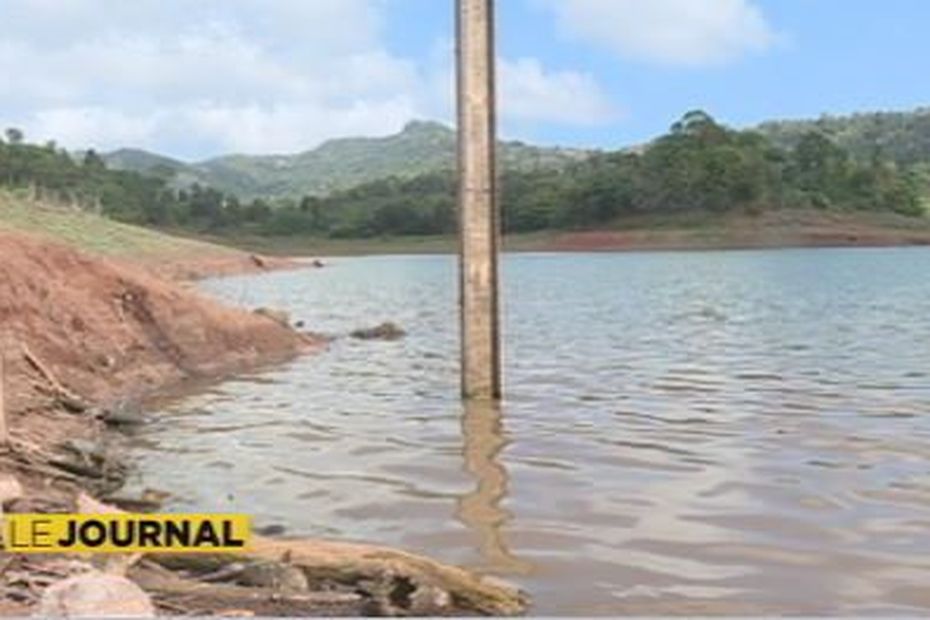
(480, 510)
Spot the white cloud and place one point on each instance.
(529, 93)
(84, 126)
(224, 128)
(201, 77)
(290, 127)
(677, 32)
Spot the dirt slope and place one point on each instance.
(79, 333)
(109, 330)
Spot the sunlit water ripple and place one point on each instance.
(716, 432)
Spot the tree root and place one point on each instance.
(396, 582)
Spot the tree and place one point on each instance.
(14, 135)
(92, 161)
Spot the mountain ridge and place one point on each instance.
(337, 164)
(424, 146)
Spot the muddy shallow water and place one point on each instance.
(712, 432)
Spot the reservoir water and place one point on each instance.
(684, 433)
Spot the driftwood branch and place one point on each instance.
(199, 595)
(65, 397)
(24, 456)
(234, 595)
(338, 578)
(379, 567)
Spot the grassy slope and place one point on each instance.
(97, 234)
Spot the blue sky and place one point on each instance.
(197, 78)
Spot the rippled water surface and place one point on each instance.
(717, 432)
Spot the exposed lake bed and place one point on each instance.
(714, 432)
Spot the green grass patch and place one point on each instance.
(93, 233)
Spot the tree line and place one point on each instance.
(699, 165)
(903, 137)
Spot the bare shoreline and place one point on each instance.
(86, 339)
(685, 232)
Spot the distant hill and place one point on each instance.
(143, 162)
(424, 147)
(900, 136)
(177, 173)
(336, 165)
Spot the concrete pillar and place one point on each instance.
(479, 220)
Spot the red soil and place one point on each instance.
(108, 331)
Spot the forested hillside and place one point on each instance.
(903, 137)
(422, 147)
(699, 166)
(427, 147)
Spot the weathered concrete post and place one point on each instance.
(479, 221)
